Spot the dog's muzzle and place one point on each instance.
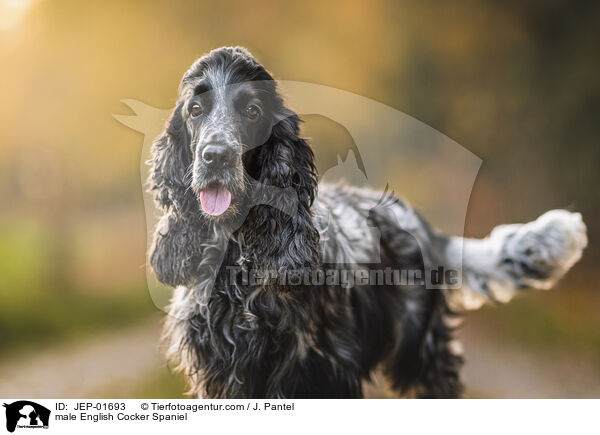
(217, 159)
(218, 156)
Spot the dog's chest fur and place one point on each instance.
(245, 341)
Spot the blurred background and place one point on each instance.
(517, 83)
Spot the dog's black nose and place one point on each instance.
(215, 156)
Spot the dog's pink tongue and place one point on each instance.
(215, 200)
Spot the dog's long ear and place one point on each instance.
(172, 252)
(175, 251)
(276, 240)
(171, 160)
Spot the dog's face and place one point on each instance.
(224, 123)
(226, 119)
(231, 159)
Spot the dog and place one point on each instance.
(237, 187)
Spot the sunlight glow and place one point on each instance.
(12, 12)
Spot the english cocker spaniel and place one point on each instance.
(260, 256)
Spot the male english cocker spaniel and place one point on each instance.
(263, 306)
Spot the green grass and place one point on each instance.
(40, 302)
(52, 316)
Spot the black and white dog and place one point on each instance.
(238, 188)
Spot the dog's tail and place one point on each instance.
(515, 257)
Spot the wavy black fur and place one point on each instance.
(270, 339)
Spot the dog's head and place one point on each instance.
(229, 137)
(230, 130)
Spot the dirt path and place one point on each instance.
(497, 368)
(126, 359)
(84, 369)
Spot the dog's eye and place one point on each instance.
(196, 110)
(253, 111)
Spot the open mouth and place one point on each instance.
(215, 199)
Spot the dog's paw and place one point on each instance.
(539, 253)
